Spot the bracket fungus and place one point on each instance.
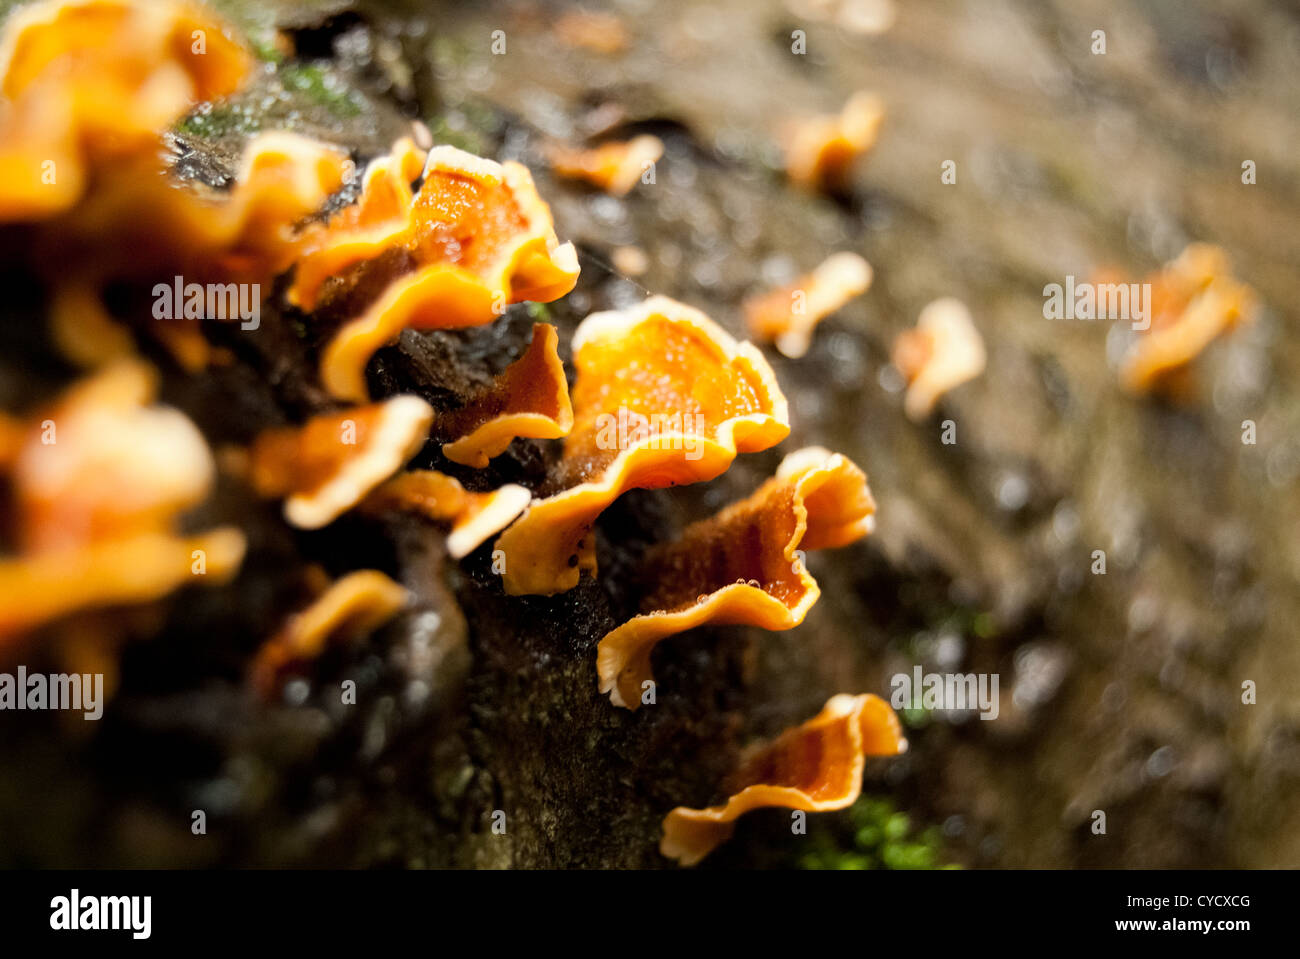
(788, 316)
(437, 239)
(816, 766)
(353, 606)
(97, 485)
(820, 151)
(139, 226)
(742, 566)
(90, 85)
(89, 81)
(614, 167)
(327, 466)
(1194, 300)
(366, 229)
(529, 399)
(941, 353)
(663, 397)
(474, 238)
(473, 516)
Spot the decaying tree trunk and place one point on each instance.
(1122, 691)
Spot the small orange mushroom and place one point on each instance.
(474, 516)
(614, 167)
(663, 396)
(1194, 300)
(941, 353)
(743, 566)
(354, 606)
(529, 399)
(788, 316)
(816, 767)
(327, 466)
(98, 482)
(820, 152)
(474, 238)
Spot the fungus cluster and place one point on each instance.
(474, 238)
(91, 81)
(663, 396)
(97, 484)
(89, 86)
(440, 240)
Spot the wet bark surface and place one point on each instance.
(1121, 692)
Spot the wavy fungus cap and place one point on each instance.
(109, 463)
(741, 567)
(821, 151)
(788, 316)
(353, 606)
(139, 568)
(614, 167)
(377, 222)
(529, 399)
(473, 516)
(944, 351)
(816, 767)
(327, 466)
(90, 85)
(136, 225)
(663, 397)
(474, 238)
